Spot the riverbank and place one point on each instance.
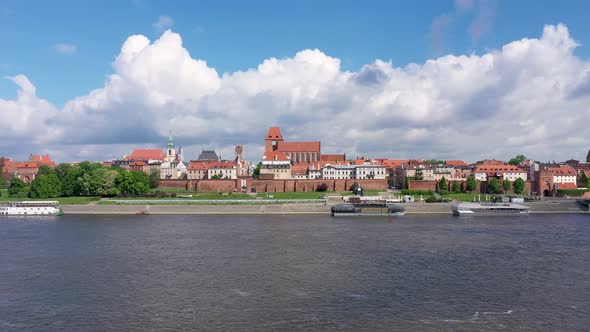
(557, 206)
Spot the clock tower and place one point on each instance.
(273, 139)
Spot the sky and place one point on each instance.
(462, 79)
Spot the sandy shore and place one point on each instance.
(300, 208)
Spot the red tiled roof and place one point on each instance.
(333, 157)
(205, 165)
(275, 155)
(138, 163)
(42, 159)
(566, 185)
(456, 163)
(299, 147)
(392, 163)
(274, 133)
(147, 154)
(221, 164)
(493, 169)
(197, 165)
(492, 162)
(299, 169)
(558, 171)
(27, 164)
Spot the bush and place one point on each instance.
(417, 192)
(571, 192)
(322, 187)
(433, 199)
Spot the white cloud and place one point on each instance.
(25, 120)
(66, 48)
(164, 22)
(530, 97)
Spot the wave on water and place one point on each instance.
(241, 293)
(474, 318)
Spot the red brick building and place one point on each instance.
(295, 151)
(26, 170)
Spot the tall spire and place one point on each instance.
(170, 143)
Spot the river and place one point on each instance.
(313, 273)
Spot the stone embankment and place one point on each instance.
(545, 206)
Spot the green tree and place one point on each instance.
(2, 161)
(584, 181)
(105, 182)
(433, 162)
(154, 178)
(216, 177)
(83, 184)
(471, 184)
(517, 160)
(45, 186)
(88, 167)
(18, 188)
(406, 182)
(493, 186)
(443, 186)
(45, 170)
(256, 173)
(134, 182)
(456, 187)
(69, 174)
(519, 186)
(506, 185)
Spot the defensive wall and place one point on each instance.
(254, 185)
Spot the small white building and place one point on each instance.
(338, 172)
(371, 172)
(223, 170)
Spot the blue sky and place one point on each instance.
(237, 35)
(468, 72)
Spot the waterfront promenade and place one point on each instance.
(549, 206)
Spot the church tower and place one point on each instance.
(273, 139)
(588, 157)
(170, 150)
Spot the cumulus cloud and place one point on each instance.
(66, 48)
(530, 96)
(164, 22)
(25, 121)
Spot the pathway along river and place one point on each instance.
(255, 273)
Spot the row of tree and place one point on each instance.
(84, 179)
(471, 185)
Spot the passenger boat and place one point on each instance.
(367, 209)
(30, 208)
(489, 209)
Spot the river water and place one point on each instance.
(316, 273)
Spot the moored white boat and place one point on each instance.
(30, 208)
(489, 209)
(367, 209)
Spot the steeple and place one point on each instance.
(170, 142)
(170, 151)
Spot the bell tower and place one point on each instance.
(272, 139)
(588, 157)
(170, 150)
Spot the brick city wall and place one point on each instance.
(216, 185)
(421, 185)
(176, 184)
(271, 185)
